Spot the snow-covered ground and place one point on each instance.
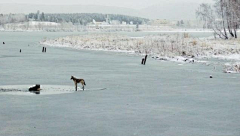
(157, 99)
(187, 30)
(174, 47)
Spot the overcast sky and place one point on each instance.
(136, 4)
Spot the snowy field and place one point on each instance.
(169, 45)
(158, 99)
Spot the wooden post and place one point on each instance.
(142, 61)
(145, 59)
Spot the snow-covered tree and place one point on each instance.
(223, 17)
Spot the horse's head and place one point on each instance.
(71, 78)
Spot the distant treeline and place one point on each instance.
(84, 18)
(75, 18)
(12, 18)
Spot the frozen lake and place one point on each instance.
(159, 99)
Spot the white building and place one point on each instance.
(124, 23)
(160, 22)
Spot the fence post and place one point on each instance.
(145, 59)
(142, 61)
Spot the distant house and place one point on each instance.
(160, 22)
(106, 22)
(124, 23)
(98, 23)
(34, 23)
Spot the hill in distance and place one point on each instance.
(165, 10)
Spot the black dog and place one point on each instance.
(35, 89)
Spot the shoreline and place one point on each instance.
(144, 31)
(175, 48)
(217, 47)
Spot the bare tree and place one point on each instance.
(223, 17)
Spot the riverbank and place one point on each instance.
(174, 47)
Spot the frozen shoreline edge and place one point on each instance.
(159, 47)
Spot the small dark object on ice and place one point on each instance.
(142, 61)
(44, 49)
(35, 89)
(20, 50)
(184, 53)
(191, 61)
(211, 76)
(163, 59)
(145, 59)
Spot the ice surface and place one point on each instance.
(158, 99)
(45, 89)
